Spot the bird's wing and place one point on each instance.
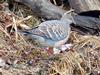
(53, 30)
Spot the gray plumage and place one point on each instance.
(53, 33)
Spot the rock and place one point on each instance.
(2, 62)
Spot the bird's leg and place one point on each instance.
(50, 50)
(53, 50)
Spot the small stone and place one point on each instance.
(56, 51)
(15, 64)
(6, 67)
(30, 62)
(66, 46)
(2, 62)
(9, 62)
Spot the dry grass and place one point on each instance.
(82, 59)
(24, 57)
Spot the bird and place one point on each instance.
(51, 33)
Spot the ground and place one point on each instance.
(22, 56)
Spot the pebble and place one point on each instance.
(2, 63)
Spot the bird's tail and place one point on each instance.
(25, 32)
(28, 31)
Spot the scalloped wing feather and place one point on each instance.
(53, 30)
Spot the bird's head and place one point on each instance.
(67, 16)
